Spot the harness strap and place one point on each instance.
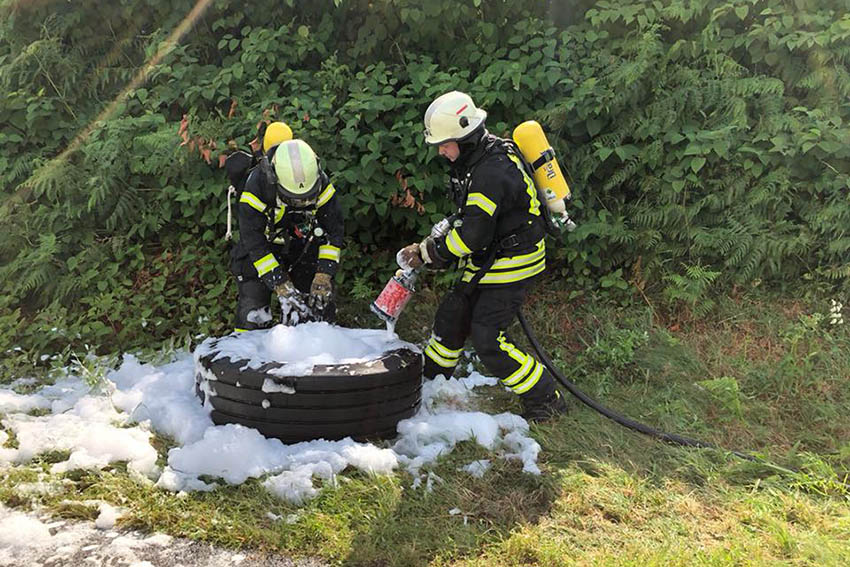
(527, 236)
(231, 191)
(545, 156)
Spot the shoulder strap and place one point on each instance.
(551, 228)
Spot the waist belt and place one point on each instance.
(525, 237)
(528, 236)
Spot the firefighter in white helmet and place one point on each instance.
(498, 236)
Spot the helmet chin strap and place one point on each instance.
(471, 142)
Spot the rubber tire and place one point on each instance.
(363, 400)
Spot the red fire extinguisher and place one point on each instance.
(393, 299)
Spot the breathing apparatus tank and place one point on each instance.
(550, 181)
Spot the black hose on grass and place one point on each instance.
(610, 414)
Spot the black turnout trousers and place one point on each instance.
(484, 315)
(255, 297)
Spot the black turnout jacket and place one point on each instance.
(500, 215)
(267, 218)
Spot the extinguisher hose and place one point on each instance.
(623, 420)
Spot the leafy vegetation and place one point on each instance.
(708, 147)
(706, 141)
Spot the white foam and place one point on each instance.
(302, 347)
(117, 421)
(107, 517)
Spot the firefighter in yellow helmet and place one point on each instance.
(239, 163)
(291, 236)
(498, 235)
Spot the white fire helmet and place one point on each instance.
(452, 117)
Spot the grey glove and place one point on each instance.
(429, 254)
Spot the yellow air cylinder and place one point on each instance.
(548, 178)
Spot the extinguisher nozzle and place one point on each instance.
(382, 315)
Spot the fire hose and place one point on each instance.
(621, 419)
(398, 291)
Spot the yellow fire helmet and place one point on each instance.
(451, 117)
(276, 132)
(297, 170)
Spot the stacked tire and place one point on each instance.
(363, 400)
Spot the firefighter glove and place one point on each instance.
(320, 291)
(285, 289)
(409, 257)
(429, 254)
(293, 309)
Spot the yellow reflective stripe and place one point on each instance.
(526, 265)
(481, 200)
(442, 350)
(507, 277)
(520, 373)
(456, 245)
(445, 363)
(523, 259)
(531, 381)
(281, 210)
(238, 330)
(530, 188)
(266, 264)
(513, 276)
(519, 261)
(509, 348)
(253, 201)
(326, 195)
(329, 252)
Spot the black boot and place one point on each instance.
(543, 401)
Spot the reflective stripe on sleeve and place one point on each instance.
(253, 201)
(480, 200)
(329, 252)
(281, 210)
(325, 195)
(456, 245)
(266, 264)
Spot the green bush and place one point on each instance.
(703, 134)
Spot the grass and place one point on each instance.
(758, 374)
